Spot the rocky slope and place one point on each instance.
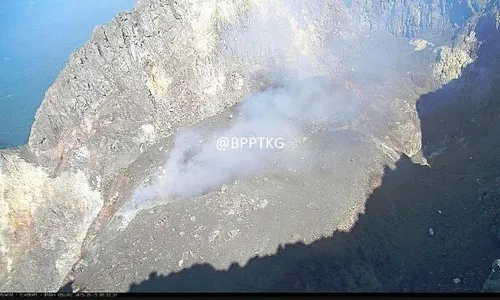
(44, 222)
(167, 65)
(427, 19)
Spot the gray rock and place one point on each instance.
(452, 60)
(417, 18)
(492, 284)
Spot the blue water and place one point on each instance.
(36, 40)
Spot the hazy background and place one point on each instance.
(36, 40)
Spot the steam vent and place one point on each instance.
(257, 146)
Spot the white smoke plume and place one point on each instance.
(295, 40)
(195, 165)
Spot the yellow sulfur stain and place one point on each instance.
(20, 220)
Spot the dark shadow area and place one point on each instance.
(67, 288)
(391, 247)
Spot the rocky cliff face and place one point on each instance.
(44, 222)
(140, 74)
(167, 65)
(434, 19)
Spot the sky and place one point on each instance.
(36, 40)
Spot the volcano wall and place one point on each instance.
(166, 65)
